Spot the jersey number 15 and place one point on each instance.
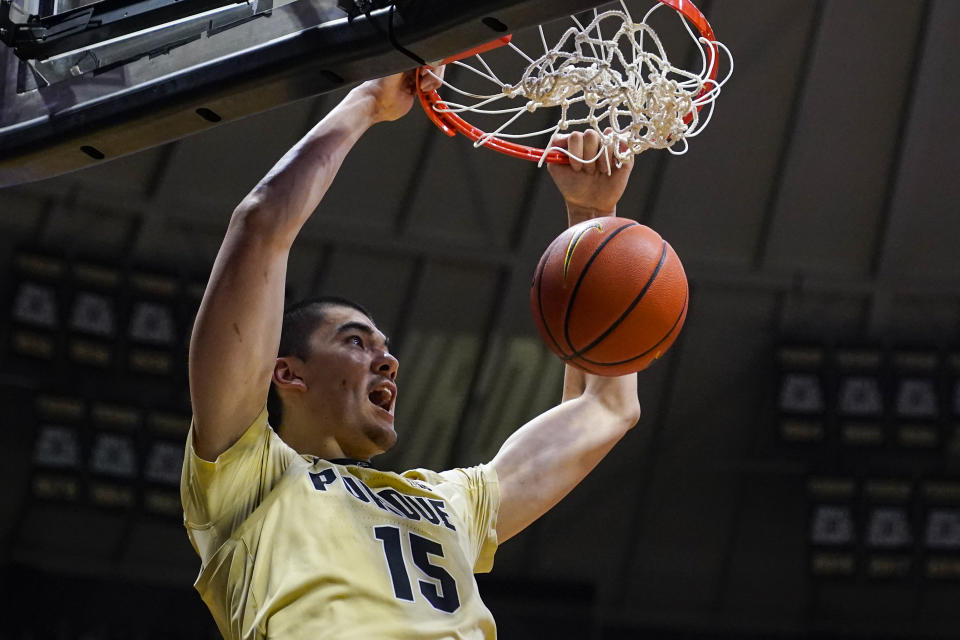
(442, 594)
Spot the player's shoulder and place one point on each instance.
(422, 478)
(460, 476)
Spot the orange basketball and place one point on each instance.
(609, 296)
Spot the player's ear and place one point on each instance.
(286, 375)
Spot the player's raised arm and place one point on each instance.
(547, 457)
(237, 331)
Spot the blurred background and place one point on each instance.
(796, 471)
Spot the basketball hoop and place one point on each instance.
(623, 87)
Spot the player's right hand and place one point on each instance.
(394, 95)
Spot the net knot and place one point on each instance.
(660, 109)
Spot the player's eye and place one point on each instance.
(356, 340)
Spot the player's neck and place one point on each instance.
(305, 442)
(308, 436)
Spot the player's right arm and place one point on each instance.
(236, 335)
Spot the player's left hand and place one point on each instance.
(590, 189)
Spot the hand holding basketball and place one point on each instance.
(590, 189)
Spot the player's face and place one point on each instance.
(351, 382)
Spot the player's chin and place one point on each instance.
(383, 436)
(385, 418)
(381, 416)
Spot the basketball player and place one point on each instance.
(298, 536)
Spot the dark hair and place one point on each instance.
(300, 320)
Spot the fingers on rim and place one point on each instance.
(594, 148)
(582, 146)
(575, 147)
(604, 162)
(431, 77)
(559, 140)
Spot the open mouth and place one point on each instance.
(383, 395)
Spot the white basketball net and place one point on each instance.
(635, 98)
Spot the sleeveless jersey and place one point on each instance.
(293, 546)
